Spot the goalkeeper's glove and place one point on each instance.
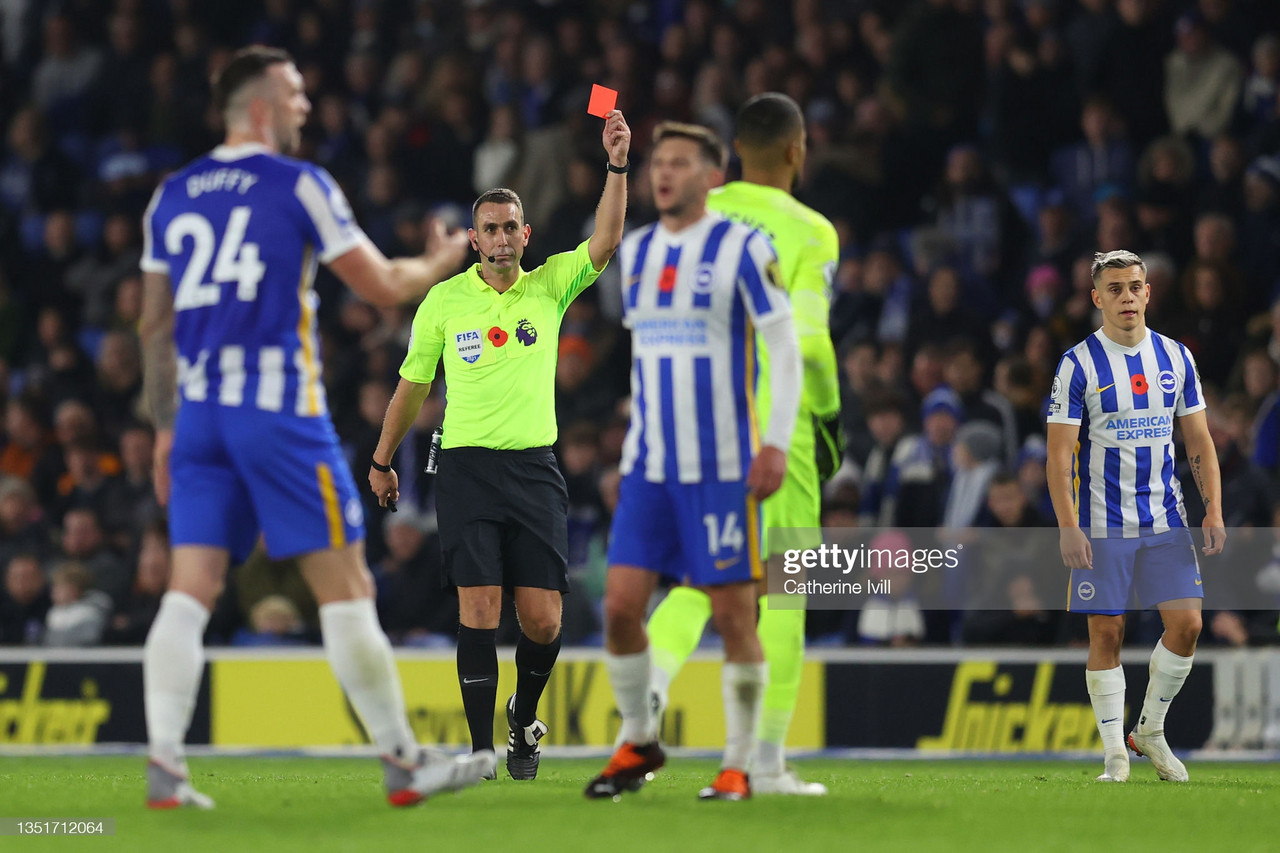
(828, 445)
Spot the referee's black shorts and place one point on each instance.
(503, 518)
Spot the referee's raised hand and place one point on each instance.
(386, 486)
(616, 137)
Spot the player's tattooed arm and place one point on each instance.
(159, 353)
(1199, 477)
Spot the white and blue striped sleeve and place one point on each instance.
(760, 283)
(152, 260)
(331, 222)
(1066, 397)
(1191, 399)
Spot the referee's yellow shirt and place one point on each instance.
(499, 351)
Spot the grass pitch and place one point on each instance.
(312, 804)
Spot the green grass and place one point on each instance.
(315, 805)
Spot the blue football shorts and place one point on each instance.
(1137, 573)
(706, 534)
(236, 472)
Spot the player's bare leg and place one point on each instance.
(1170, 662)
(172, 666)
(1105, 679)
(539, 612)
(733, 610)
(626, 598)
(361, 658)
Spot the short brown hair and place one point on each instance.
(497, 195)
(711, 146)
(246, 66)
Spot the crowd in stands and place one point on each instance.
(972, 154)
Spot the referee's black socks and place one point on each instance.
(533, 667)
(478, 678)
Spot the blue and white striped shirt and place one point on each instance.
(1125, 400)
(693, 301)
(240, 232)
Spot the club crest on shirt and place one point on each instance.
(526, 333)
(470, 345)
(1167, 381)
(704, 279)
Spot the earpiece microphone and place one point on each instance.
(492, 259)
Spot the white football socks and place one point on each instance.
(1106, 694)
(172, 665)
(1168, 673)
(743, 688)
(629, 676)
(360, 656)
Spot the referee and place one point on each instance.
(501, 500)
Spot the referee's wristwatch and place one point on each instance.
(386, 469)
(618, 170)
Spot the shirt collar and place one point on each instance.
(237, 152)
(1111, 345)
(478, 280)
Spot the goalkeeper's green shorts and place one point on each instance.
(793, 514)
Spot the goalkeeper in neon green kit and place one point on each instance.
(770, 140)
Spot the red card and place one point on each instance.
(602, 100)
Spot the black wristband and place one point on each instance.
(618, 170)
(386, 469)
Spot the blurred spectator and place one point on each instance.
(945, 313)
(260, 578)
(119, 382)
(138, 507)
(1247, 494)
(858, 362)
(935, 68)
(1058, 244)
(1088, 35)
(35, 176)
(133, 615)
(893, 619)
(886, 420)
(83, 542)
(25, 601)
(1164, 197)
(1224, 192)
(93, 279)
(1263, 83)
(920, 471)
(1201, 80)
(498, 155)
(1213, 319)
(1010, 591)
(26, 433)
(1103, 157)
(67, 74)
(414, 607)
(79, 613)
(977, 215)
(22, 527)
(273, 621)
(964, 373)
(87, 485)
(1260, 228)
(975, 459)
(1144, 38)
